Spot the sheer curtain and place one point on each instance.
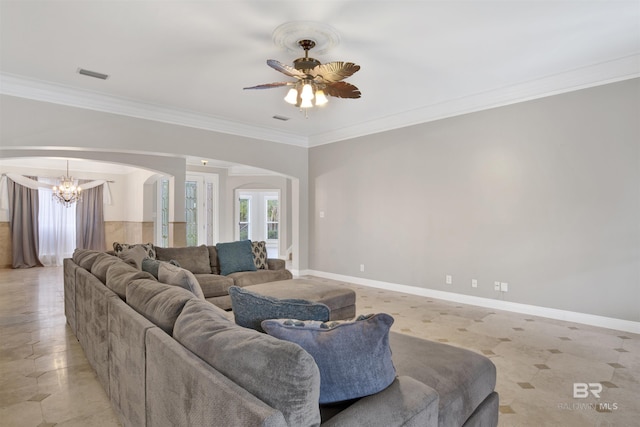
(57, 227)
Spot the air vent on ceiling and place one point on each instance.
(283, 118)
(94, 74)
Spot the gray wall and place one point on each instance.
(28, 126)
(544, 195)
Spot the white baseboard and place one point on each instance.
(551, 313)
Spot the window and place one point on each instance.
(244, 217)
(272, 217)
(258, 217)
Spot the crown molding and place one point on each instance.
(619, 69)
(581, 78)
(39, 90)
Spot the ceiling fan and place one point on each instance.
(314, 81)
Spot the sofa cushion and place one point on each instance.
(235, 256)
(260, 256)
(250, 308)
(213, 259)
(158, 302)
(101, 265)
(193, 258)
(148, 247)
(178, 276)
(247, 278)
(133, 256)
(276, 264)
(462, 378)
(214, 285)
(85, 257)
(354, 358)
(120, 274)
(278, 372)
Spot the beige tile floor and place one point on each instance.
(46, 380)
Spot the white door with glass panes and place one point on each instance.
(258, 218)
(200, 209)
(201, 195)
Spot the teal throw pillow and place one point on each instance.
(235, 256)
(354, 358)
(250, 308)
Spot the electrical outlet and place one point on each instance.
(361, 267)
(496, 286)
(448, 279)
(504, 287)
(474, 283)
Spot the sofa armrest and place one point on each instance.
(276, 263)
(406, 402)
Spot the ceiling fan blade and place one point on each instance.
(334, 71)
(342, 90)
(285, 69)
(269, 85)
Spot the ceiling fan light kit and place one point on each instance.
(314, 80)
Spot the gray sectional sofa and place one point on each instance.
(168, 358)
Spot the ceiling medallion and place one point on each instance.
(287, 36)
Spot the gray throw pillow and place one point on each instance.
(151, 265)
(235, 256)
(177, 276)
(250, 308)
(354, 358)
(133, 255)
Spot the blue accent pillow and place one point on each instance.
(354, 357)
(235, 256)
(250, 308)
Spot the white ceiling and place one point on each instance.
(187, 61)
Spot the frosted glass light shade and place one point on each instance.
(292, 96)
(307, 92)
(321, 98)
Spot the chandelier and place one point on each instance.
(67, 193)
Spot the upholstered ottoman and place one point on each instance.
(340, 299)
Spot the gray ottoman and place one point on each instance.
(340, 300)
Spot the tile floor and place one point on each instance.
(46, 380)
